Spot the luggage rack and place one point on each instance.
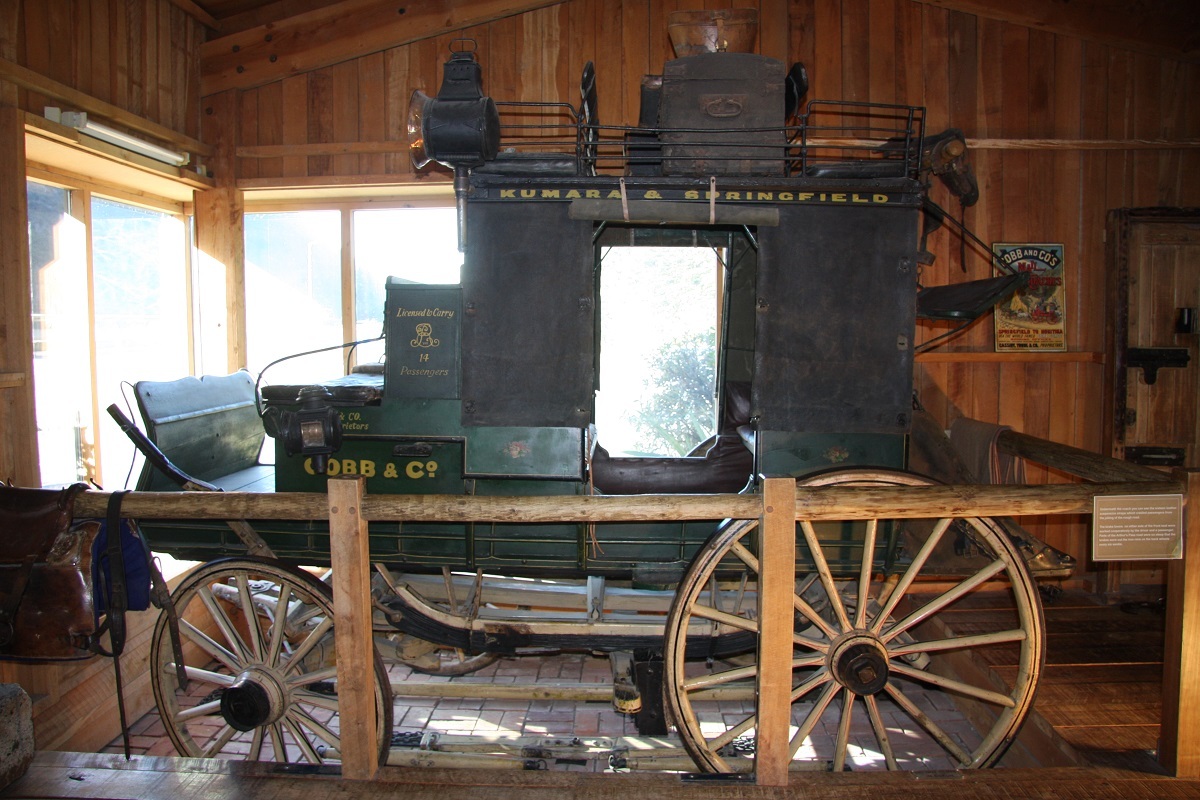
(830, 139)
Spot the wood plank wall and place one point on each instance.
(141, 56)
(992, 79)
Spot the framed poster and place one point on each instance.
(1032, 318)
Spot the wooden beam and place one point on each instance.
(1179, 742)
(221, 242)
(338, 33)
(1163, 28)
(816, 503)
(18, 447)
(28, 79)
(197, 13)
(777, 585)
(351, 562)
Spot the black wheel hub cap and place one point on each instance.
(862, 668)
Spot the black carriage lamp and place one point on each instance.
(314, 430)
(459, 128)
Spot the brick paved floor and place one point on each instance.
(544, 720)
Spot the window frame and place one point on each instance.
(80, 193)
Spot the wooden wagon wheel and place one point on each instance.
(262, 683)
(881, 677)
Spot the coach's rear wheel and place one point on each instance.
(261, 668)
(881, 677)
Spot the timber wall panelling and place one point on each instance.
(1003, 84)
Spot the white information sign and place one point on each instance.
(1137, 527)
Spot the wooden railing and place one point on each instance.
(778, 507)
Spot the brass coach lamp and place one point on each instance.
(459, 128)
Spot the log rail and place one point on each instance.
(348, 508)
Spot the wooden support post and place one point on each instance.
(777, 585)
(1179, 737)
(351, 562)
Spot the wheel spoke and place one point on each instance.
(256, 743)
(316, 676)
(204, 675)
(307, 752)
(949, 684)
(818, 678)
(717, 742)
(810, 613)
(822, 567)
(208, 709)
(864, 576)
(931, 727)
(814, 716)
(218, 743)
(747, 558)
(209, 645)
(724, 618)
(250, 612)
(946, 598)
(718, 678)
(325, 701)
(302, 718)
(278, 625)
(843, 733)
(881, 734)
(310, 641)
(959, 642)
(279, 742)
(911, 573)
(224, 624)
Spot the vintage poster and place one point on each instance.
(1032, 318)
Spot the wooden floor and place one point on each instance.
(1099, 692)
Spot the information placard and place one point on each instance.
(1137, 527)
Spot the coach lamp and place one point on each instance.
(314, 430)
(460, 128)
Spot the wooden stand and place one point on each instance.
(777, 578)
(1179, 741)
(351, 562)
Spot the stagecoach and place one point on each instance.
(795, 231)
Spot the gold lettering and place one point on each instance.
(733, 195)
(803, 196)
(551, 193)
(839, 197)
(573, 194)
(651, 194)
(765, 196)
(691, 194)
(505, 194)
(591, 194)
(879, 198)
(333, 468)
(857, 198)
(786, 196)
(366, 468)
(414, 470)
(528, 194)
(390, 471)
(614, 194)
(349, 466)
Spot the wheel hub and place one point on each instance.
(860, 663)
(253, 700)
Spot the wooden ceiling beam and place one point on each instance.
(1165, 28)
(197, 13)
(337, 33)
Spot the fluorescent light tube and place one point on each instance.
(79, 121)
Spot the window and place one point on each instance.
(659, 308)
(297, 264)
(294, 293)
(122, 317)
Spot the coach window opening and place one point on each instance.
(662, 299)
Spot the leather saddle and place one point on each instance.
(46, 603)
